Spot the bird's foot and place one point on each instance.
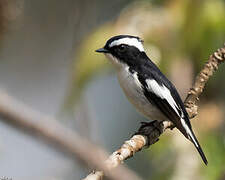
(151, 130)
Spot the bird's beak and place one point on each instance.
(102, 50)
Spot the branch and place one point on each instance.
(137, 142)
(200, 81)
(35, 124)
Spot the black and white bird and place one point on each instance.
(146, 87)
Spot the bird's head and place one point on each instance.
(123, 49)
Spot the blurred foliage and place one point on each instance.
(88, 63)
(214, 145)
(157, 155)
(172, 30)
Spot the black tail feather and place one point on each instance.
(194, 140)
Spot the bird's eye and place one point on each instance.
(121, 48)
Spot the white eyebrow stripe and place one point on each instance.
(128, 41)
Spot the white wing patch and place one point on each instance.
(162, 92)
(128, 41)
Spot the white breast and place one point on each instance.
(133, 90)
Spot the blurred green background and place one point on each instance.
(48, 62)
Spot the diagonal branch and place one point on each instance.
(137, 142)
(209, 68)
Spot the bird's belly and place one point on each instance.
(135, 95)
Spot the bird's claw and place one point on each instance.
(148, 129)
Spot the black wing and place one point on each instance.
(162, 93)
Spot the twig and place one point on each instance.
(137, 142)
(35, 124)
(200, 81)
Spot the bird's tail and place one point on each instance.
(193, 139)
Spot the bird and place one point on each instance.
(146, 87)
